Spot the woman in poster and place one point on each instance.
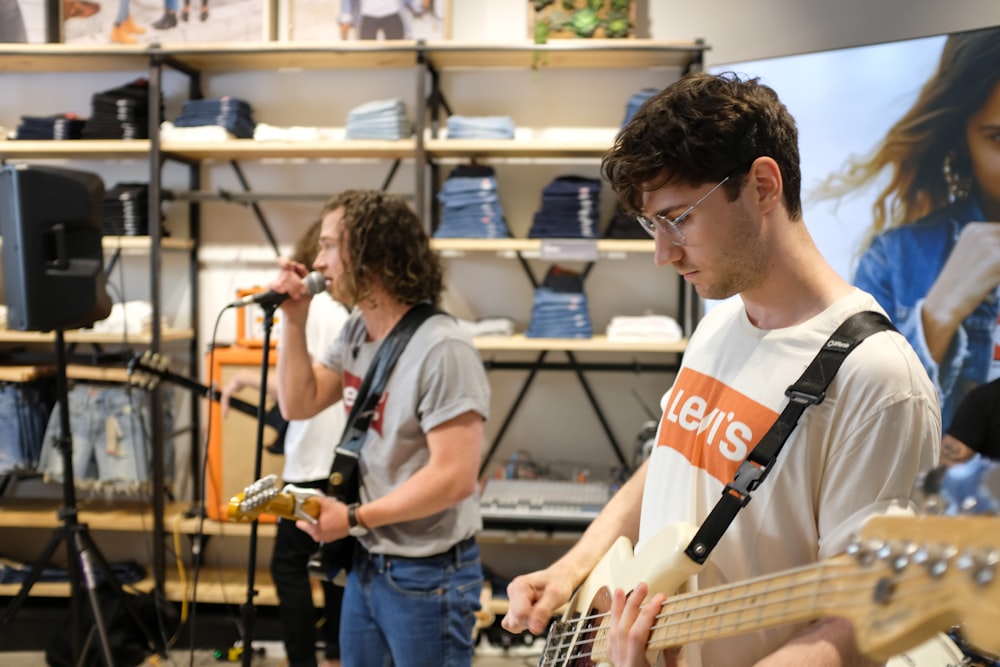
(933, 258)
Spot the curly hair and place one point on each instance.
(386, 244)
(307, 246)
(699, 130)
(916, 147)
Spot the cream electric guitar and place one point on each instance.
(901, 582)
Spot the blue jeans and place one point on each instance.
(411, 612)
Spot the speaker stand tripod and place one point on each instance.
(82, 553)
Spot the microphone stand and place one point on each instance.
(247, 610)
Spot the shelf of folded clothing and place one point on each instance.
(287, 56)
(73, 57)
(95, 338)
(520, 342)
(534, 246)
(140, 243)
(76, 149)
(566, 53)
(247, 149)
(98, 514)
(514, 148)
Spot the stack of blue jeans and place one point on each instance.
(379, 119)
(470, 207)
(560, 309)
(120, 113)
(24, 411)
(229, 112)
(480, 127)
(58, 127)
(637, 100)
(569, 209)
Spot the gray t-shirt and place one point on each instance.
(438, 377)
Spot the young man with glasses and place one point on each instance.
(710, 168)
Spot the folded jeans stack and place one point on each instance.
(480, 127)
(379, 119)
(56, 127)
(121, 112)
(231, 113)
(560, 309)
(470, 207)
(637, 100)
(125, 210)
(569, 209)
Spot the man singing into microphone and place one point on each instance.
(414, 586)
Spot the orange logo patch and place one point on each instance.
(711, 424)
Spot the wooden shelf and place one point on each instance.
(140, 243)
(576, 53)
(84, 336)
(513, 148)
(284, 56)
(534, 246)
(120, 515)
(520, 343)
(76, 149)
(248, 149)
(72, 58)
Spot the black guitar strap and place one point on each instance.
(343, 473)
(810, 389)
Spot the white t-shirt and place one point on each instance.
(310, 443)
(849, 457)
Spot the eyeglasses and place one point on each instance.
(672, 228)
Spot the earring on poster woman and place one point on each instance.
(959, 185)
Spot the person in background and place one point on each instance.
(309, 446)
(371, 17)
(975, 428)
(12, 22)
(710, 169)
(934, 260)
(416, 578)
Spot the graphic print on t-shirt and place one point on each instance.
(352, 383)
(711, 424)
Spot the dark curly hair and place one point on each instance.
(307, 246)
(701, 129)
(386, 242)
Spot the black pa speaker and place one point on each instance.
(53, 265)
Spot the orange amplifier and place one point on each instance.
(250, 322)
(232, 441)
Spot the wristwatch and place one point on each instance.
(355, 527)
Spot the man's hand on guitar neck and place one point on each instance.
(631, 624)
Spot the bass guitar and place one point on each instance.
(147, 369)
(901, 582)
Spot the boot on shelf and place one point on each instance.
(132, 27)
(121, 35)
(167, 21)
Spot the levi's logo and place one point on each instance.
(352, 383)
(712, 425)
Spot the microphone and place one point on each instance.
(315, 282)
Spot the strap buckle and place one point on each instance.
(802, 397)
(748, 477)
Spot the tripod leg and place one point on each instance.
(90, 583)
(36, 573)
(87, 546)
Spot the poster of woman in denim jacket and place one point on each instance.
(933, 258)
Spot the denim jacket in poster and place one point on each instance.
(899, 269)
